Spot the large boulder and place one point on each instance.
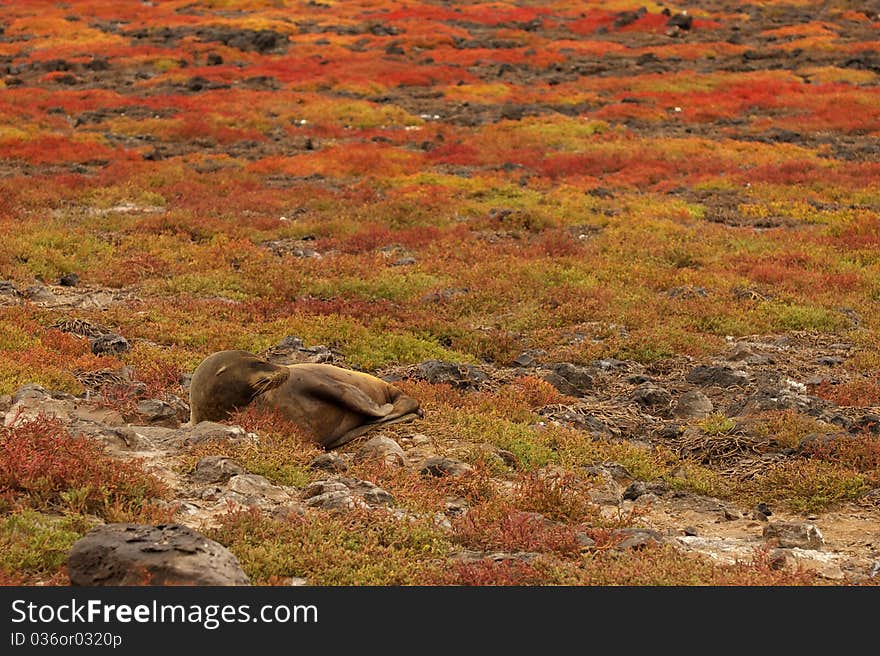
(167, 554)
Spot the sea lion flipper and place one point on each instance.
(349, 396)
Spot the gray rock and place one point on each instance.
(652, 398)
(508, 458)
(608, 364)
(720, 376)
(65, 407)
(584, 540)
(205, 431)
(439, 466)
(383, 449)
(790, 535)
(216, 469)
(869, 423)
(158, 413)
(330, 462)
(569, 379)
(524, 360)
(118, 440)
(32, 391)
(343, 492)
(744, 353)
(168, 554)
(341, 499)
(693, 404)
(461, 376)
(110, 343)
(637, 489)
(404, 261)
(257, 489)
(776, 398)
(636, 538)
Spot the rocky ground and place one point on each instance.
(649, 407)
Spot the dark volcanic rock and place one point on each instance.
(110, 343)
(439, 466)
(383, 449)
(158, 413)
(570, 379)
(205, 431)
(777, 398)
(462, 376)
(639, 488)
(682, 21)
(168, 554)
(636, 538)
(652, 397)
(331, 462)
(339, 492)
(869, 423)
(720, 376)
(216, 469)
(693, 404)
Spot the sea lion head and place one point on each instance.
(228, 380)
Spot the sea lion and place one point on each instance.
(333, 404)
(337, 405)
(227, 381)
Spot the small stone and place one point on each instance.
(418, 439)
(794, 534)
(830, 361)
(636, 538)
(693, 404)
(570, 379)
(331, 462)
(670, 431)
(69, 280)
(167, 554)
(289, 511)
(439, 466)
(205, 431)
(109, 343)
(682, 21)
(720, 376)
(341, 492)
(652, 397)
(584, 540)
(637, 489)
(690, 530)
(158, 413)
(508, 458)
(461, 376)
(381, 448)
(869, 423)
(335, 500)
(216, 469)
(257, 487)
(525, 360)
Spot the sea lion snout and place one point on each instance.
(229, 380)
